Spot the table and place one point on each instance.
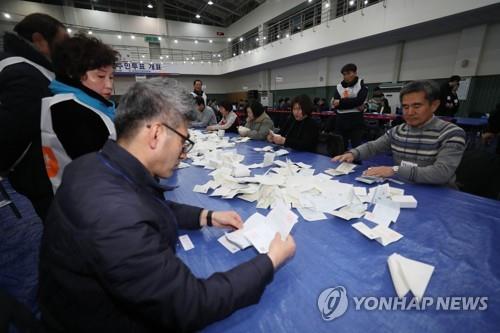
(456, 232)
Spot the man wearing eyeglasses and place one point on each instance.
(108, 260)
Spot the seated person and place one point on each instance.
(78, 119)
(425, 149)
(300, 130)
(378, 103)
(205, 115)
(108, 261)
(493, 129)
(258, 123)
(229, 121)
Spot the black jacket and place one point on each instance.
(448, 97)
(108, 260)
(301, 135)
(79, 129)
(22, 88)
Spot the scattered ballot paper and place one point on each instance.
(380, 233)
(268, 159)
(186, 242)
(183, 165)
(311, 214)
(343, 169)
(384, 213)
(405, 201)
(281, 152)
(409, 275)
(266, 148)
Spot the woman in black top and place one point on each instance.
(300, 130)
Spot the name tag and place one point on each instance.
(408, 164)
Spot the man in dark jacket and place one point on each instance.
(449, 100)
(108, 260)
(348, 101)
(25, 73)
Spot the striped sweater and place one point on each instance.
(436, 148)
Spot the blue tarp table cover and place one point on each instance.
(456, 232)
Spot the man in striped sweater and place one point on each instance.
(425, 149)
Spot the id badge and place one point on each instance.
(409, 164)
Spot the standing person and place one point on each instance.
(25, 73)
(197, 90)
(348, 101)
(449, 100)
(205, 116)
(493, 129)
(78, 119)
(300, 131)
(109, 263)
(229, 121)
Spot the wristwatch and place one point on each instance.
(395, 168)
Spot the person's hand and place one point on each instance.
(347, 157)
(210, 128)
(270, 136)
(382, 171)
(227, 219)
(487, 137)
(280, 251)
(336, 103)
(243, 131)
(278, 139)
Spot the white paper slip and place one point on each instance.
(241, 171)
(268, 159)
(333, 172)
(266, 148)
(303, 165)
(200, 188)
(311, 215)
(238, 238)
(360, 191)
(409, 275)
(396, 191)
(384, 213)
(346, 167)
(280, 163)
(347, 214)
(381, 234)
(227, 244)
(281, 152)
(182, 165)
(405, 201)
(254, 166)
(186, 242)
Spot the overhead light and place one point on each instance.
(218, 55)
(119, 36)
(327, 5)
(192, 58)
(287, 35)
(351, 3)
(234, 54)
(90, 32)
(133, 37)
(209, 62)
(6, 15)
(142, 56)
(264, 38)
(198, 16)
(141, 62)
(150, 5)
(202, 61)
(187, 58)
(161, 57)
(256, 39)
(220, 60)
(192, 62)
(277, 36)
(210, 3)
(184, 62)
(229, 39)
(159, 37)
(366, 2)
(241, 39)
(167, 56)
(68, 30)
(210, 41)
(176, 41)
(309, 1)
(195, 41)
(242, 52)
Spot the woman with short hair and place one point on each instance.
(258, 122)
(229, 121)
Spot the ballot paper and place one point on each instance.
(241, 170)
(227, 244)
(182, 165)
(268, 159)
(347, 214)
(409, 275)
(405, 201)
(303, 165)
(266, 148)
(380, 233)
(242, 139)
(343, 169)
(370, 179)
(311, 214)
(281, 152)
(381, 192)
(384, 213)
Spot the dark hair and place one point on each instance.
(349, 68)
(226, 105)
(305, 104)
(194, 82)
(44, 24)
(257, 109)
(154, 99)
(199, 100)
(79, 54)
(454, 78)
(429, 87)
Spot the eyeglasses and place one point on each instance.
(187, 145)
